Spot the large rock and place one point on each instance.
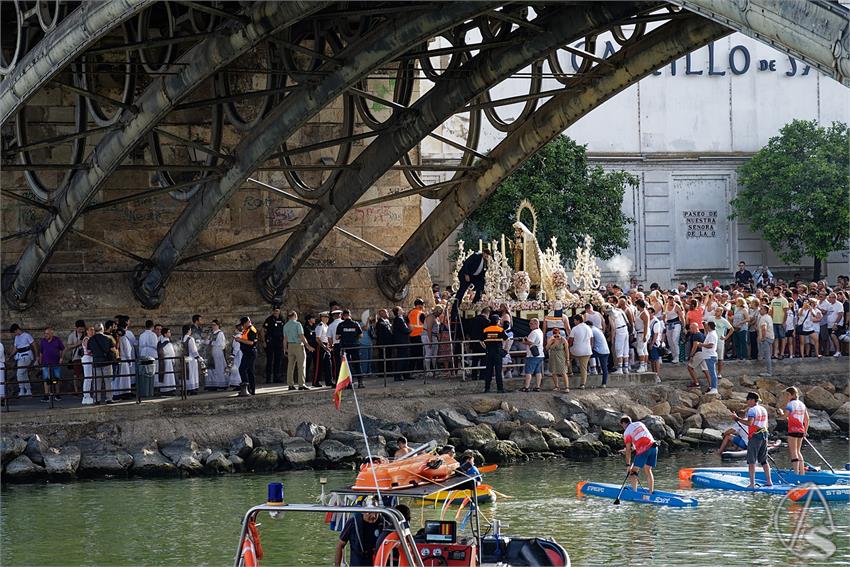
(486, 405)
(842, 416)
(102, 459)
(820, 399)
(569, 407)
(299, 453)
(536, 417)
(674, 420)
(606, 418)
(684, 411)
(377, 446)
(62, 462)
(635, 410)
(335, 452)
(734, 405)
(148, 461)
(716, 415)
(725, 386)
(310, 432)
(11, 447)
(586, 450)
(425, 429)
(242, 446)
(262, 459)
(529, 439)
(21, 468)
(611, 439)
(218, 463)
(36, 447)
(190, 464)
(238, 463)
(661, 408)
(181, 448)
(269, 437)
(502, 452)
(477, 436)
(570, 429)
(711, 435)
(493, 417)
(656, 426)
(693, 422)
(820, 425)
(558, 444)
(453, 419)
(504, 429)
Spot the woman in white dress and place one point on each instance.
(167, 384)
(190, 347)
(121, 384)
(88, 367)
(216, 377)
(235, 378)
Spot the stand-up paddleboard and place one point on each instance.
(742, 453)
(641, 496)
(831, 493)
(816, 477)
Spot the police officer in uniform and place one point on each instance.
(493, 343)
(310, 335)
(272, 337)
(248, 347)
(322, 368)
(347, 338)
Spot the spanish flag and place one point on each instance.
(343, 381)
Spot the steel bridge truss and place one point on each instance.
(317, 55)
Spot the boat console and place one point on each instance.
(437, 544)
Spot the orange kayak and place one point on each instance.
(421, 469)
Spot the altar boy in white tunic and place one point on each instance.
(216, 377)
(126, 369)
(192, 357)
(168, 383)
(235, 378)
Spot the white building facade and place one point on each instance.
(684, 132)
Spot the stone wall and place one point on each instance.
(86, 279)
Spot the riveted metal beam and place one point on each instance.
(83, 27)
(632, 63)
(381, 45)
(456, 89)
(155, 102)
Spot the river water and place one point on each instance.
(196, 521)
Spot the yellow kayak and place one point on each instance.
(485, 494)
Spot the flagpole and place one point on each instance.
(365, 437)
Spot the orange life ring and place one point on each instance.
(255, 538)
(252, 551)
(384, 556)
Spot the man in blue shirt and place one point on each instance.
(362, 532)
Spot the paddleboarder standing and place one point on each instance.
(798, 426)
(637, 436)
(756, 422)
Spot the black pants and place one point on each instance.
(337, 360)
(353, 357)
(322, 367)
(754, 346)
(493, 365)
(246, 369)
(274, 361)
(415, 350)
(400, 368)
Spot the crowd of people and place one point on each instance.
(636, 329)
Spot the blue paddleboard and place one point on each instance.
(641, 496)
(777, 475)
(830, 493)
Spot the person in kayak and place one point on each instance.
(756, 422)
(798, 427)
(637, 437)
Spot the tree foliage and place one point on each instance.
(571, 200)
(794, 191)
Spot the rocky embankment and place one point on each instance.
(580, 426)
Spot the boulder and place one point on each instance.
(589, 437)
(486, 405)
(586, 450)
(62, 462)
(820, 425)
(711, 435)
(310, 432)
(549, 433)
(635, 410)
(693, 433)
(262, 459)
(715, 415)
(674, 420)
(242, 446)
(268, 437)
(190, 464)
(581, 419)
(36, 447)
(180, 448)
(21, 468)
(688, 399)
(570, 429)
(747, 382)
(238, 463)
(335, 452)
(148, 461)
(536, 417)
(684, 411)
(299, 453)
(842, 416)
(612, 440)
(828, 386)
(476, 436)
(493, 417)
(767, 397)
(606, 418)
(725, 386)
(505, 428)
(11, 447)
(218, 463)
(694, 421)
(820, 399)
(734, 405)
(425, 429)
(377, 445)
(656, 426)
(569, 407)
(102, 459)
(453, 419)
(499, 451)
(204, 454)
(529, 439)
(661, 408)
(558, 444)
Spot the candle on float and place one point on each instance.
(480, 245)
(503, 244)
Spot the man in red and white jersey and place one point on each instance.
(798, 426)
(756, 422)
(637, 436)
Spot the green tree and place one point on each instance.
(794, 191)
(571, 200)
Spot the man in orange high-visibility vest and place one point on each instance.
(416, 322)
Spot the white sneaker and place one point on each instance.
(618, 371)
(836, 355)
(712, 391)
(657, 379)
(87, 401)
(719, 376)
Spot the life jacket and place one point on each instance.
(246, 331)
(414, 318)
(385, 554)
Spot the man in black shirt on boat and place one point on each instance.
(362, 532)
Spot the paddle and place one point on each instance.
(623, 487)
(769, 458)
(806, 439)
